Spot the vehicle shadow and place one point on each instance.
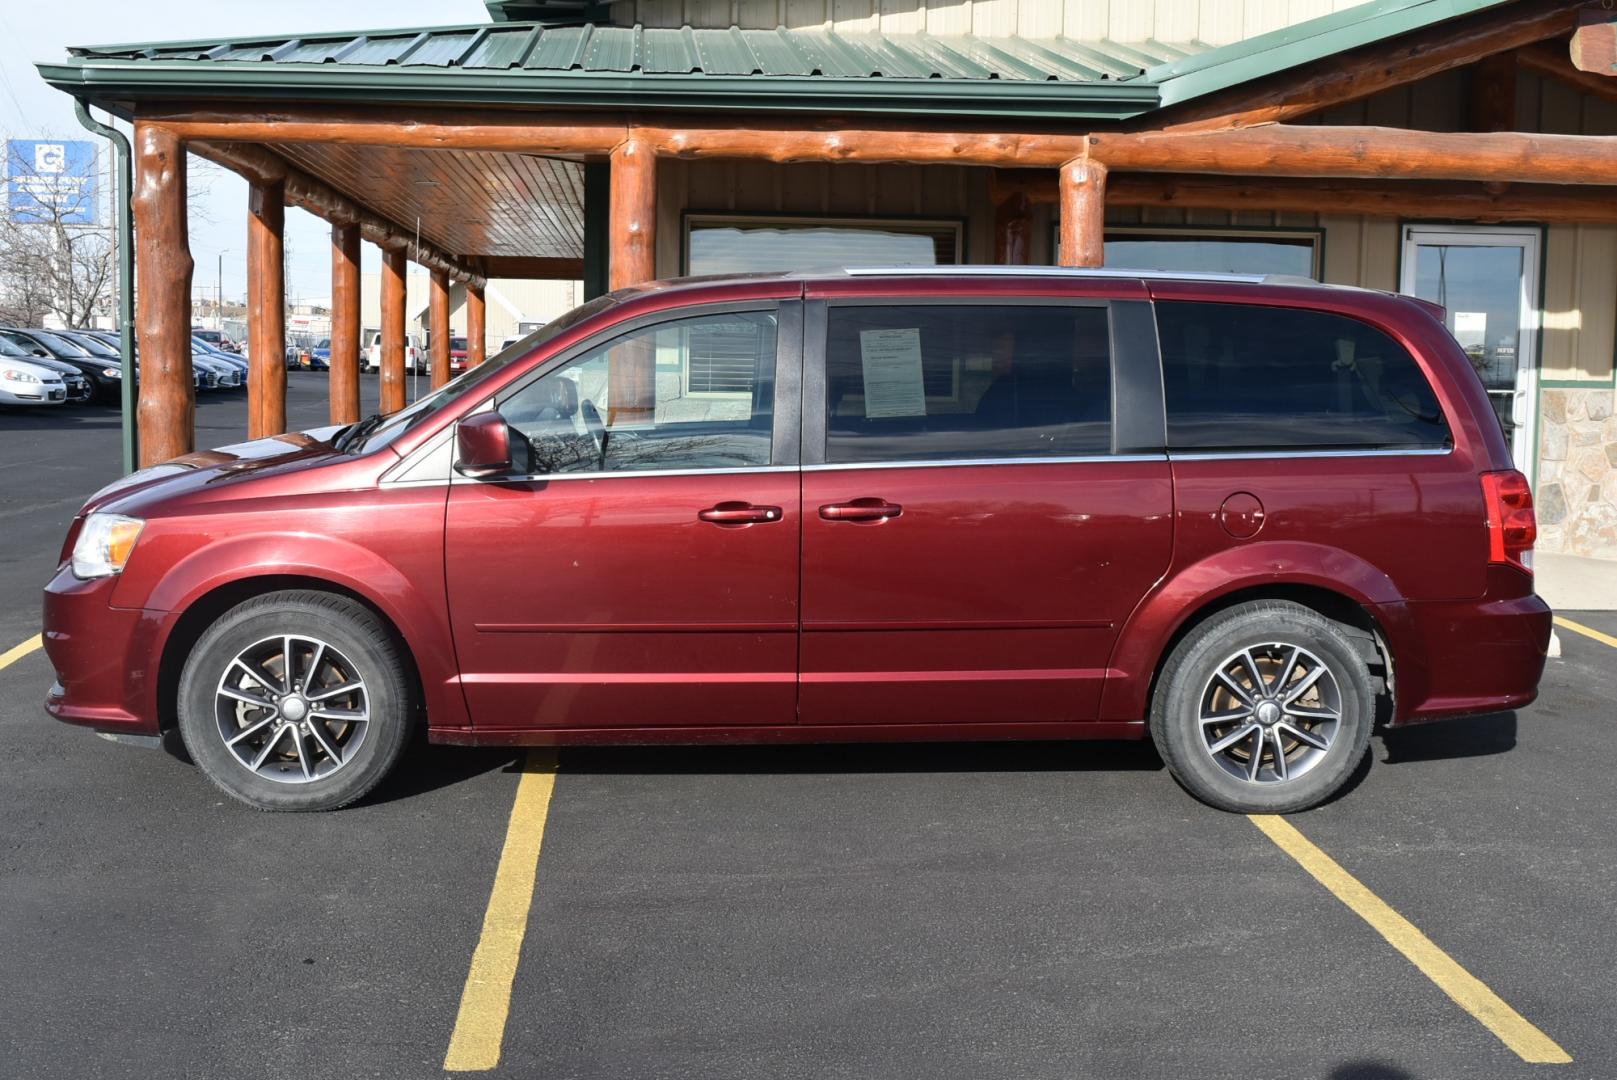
(1067, 756)
(1368, 1070)
(428, 768)
(1441, 740)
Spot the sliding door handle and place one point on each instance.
(739, 513)
(867, 511)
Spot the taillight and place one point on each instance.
(1512, 528)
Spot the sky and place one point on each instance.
(29, 109)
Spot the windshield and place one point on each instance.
(325, 343)
(404, 420)
(59, 345)
(8, 347)
(93, 345)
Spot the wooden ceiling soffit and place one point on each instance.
(261, 165)
(1554, 62)
(518, 266)
(1362, 72)
(1550, 203)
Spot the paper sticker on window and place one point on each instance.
(892, 369)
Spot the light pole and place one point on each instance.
(219, 295)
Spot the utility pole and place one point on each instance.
(219, 295)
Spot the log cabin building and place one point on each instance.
(1461, 150)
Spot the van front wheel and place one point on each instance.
(1264, 709)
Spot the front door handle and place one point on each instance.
(867, 511)
(739, 513)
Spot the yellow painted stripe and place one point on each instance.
(17, 652)
(1470, 993)
(486, 1001)
(1565, 624)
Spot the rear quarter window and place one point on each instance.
(1249, 377)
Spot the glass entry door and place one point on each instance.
(1486, 279)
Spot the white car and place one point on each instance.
(23, 383)
(372, 360)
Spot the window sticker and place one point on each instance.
(892, 368)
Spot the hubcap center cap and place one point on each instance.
(294, 708)
(1268, 712)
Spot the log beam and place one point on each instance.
(392, 359)
(476, 326)
(438, 326)
(345, 328)
(1083, 213)
(1362, 72)
(1548, 203)
(1367, 152)
(533, 267)
(1493, 93)
(163, 261)
(266, 309)
(1554, 63)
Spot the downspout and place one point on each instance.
(126, 278)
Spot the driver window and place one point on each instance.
(694, 393)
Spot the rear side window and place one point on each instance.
(966, 382)
(1247, 377)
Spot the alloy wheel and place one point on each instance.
(292, 709)
(1270, 713)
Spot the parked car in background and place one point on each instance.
(114, 344)
(105, 380)
(223, 375)
(320, 355)
(78, 385)
(215, 338)
(457, 355)
(371, 358)
(108, 356)
(230, 360)
(24, 382)
(1218, 511)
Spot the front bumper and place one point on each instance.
(106, 658)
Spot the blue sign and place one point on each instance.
(51, 181)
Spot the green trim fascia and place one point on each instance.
(98, 53)
(1292, 46)
(1577, 384)
(148, 80)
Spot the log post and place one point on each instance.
(163, 260)
(1083, 213)
(392, 361)
(266, 309)
(631, 367)
(345, 329)
(438, 323)
(476, 324)
(1013, 230)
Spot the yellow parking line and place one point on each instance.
(1470, 993)
(17, 652)
(1565, 624)
(486, 1001)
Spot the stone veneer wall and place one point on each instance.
(1576, 497)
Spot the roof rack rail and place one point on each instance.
(1072, 271)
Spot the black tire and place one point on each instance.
(1190, 688)
(366, 651)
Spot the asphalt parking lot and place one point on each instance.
(1022, 911)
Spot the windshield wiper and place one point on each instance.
(354, 432)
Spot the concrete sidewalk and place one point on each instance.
(1575, 583)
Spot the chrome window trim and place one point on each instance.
(623, 474)
(1081, 459)
(1259, 455)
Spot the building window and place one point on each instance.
(1223, 251)
(739, 244)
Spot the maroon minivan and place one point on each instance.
(1251, 518)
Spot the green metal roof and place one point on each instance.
(553, 60)
(590, 64)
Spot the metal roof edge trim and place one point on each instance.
(98, 52)
(1302, 43)
(1109, 100)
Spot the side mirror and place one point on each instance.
(483, 445)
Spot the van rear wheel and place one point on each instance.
(296, 701)
(1265, 708)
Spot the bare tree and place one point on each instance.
(56, 259)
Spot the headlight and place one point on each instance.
(104, 545)
(112, 372)
(13, 375)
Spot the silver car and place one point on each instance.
(25, 383)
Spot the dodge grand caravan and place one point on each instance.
(1250, 519)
